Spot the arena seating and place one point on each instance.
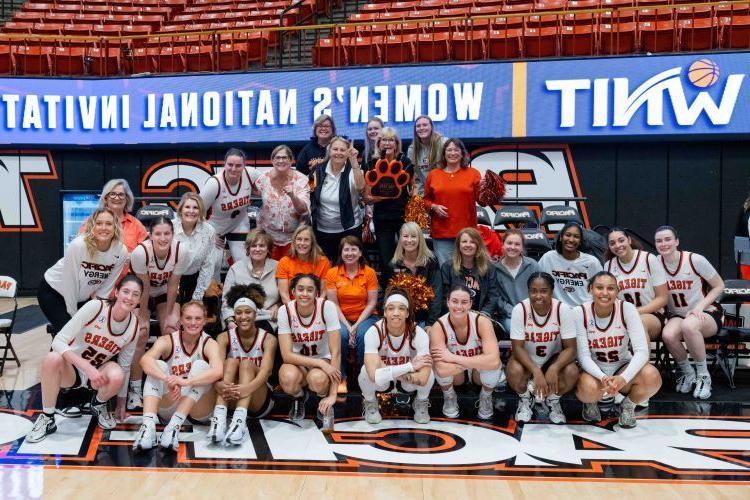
(111, 37)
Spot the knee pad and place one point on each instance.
(153, 386)
(489, 378)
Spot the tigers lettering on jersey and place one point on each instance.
(99, 342)
(609, 345)
(687, 288)
(235, 204)
(636, 283)
(159, 274)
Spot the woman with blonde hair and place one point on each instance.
(305, 256)
(424, 151)
(89, 269)
(285, 193)
(414, 257)
(471, 267)
(196, 238)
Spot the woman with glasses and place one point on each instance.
(286, 200)
(324, 130)
(117, 196)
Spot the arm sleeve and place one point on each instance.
(138, 261)
(209, 192)
(489, 305)
(582, 346)
(283, 322)
(517, 331)
(421, 342)
(206, 271)
(125, 360)
(71, 264)
(331, 316)
(372, 340)
(658, 275)
(567, 322)
(638, 341)
(436, 306)
(72, 328)
(106, 289)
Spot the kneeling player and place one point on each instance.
(249, 354)
(465, 340)
(607, 328)
(180, 370)
(81, 354)
(397, 358)
(544, 350)
(310, 344)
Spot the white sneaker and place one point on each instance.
(146, 438)
(170, 437)
(685, 382)
(104, 417)
(421, 412)
(627, 414)
(43, 427)
(238, 432)
(450, 404)
(591, 412)
(371, 411)
(135, 399)
(556, 415)
(485, 406)
(524, 411)
(217, 430)
(702, 387)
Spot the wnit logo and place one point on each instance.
(17, 207)
(664, 94)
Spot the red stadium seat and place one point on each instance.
(732, 10)
(363, 50)
(455, 12)
(655, 15)
(423, 14)
(170, 59)
(142, 59)
(657, 36)
(698, 34)
(547, 5)
(578, 40)
(398, 49)
(505, 44)
(38, 7)
(518, 7)
(104, 62)
(375, 7)
(232, 56)
(200, 58)
(433, 47)
(48, 28)
(135, 30)
(580, 19)
(583, 4)
(735, 32)
(540, 42)
(468, 45)
(616, 3)
(78, 29)
(328, 52)
(7, 63)
(694, 12)
(432, 4)
(18, 27)
(504, 23)
(106, 30)
(33, 60)
(617, 38)
(74, 8)
(68, 61)
(31, 16)
(59, 17)
(617, 16)
(404, 28)
(403, 6)
(542, 21)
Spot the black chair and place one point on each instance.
(482, 217)
(151, 211)
(8, 287)
(559, 214)
(537, 242)
(514, 216)
(731, 339)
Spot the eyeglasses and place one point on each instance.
(281, 158)
(325, 127)
(116, 196)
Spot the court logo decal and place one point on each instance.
(18, 210)
(661, 448)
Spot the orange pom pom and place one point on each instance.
(420, 292)
(416, 211)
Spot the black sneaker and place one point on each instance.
(297, 411)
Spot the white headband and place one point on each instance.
(244, 301)
(397, 298)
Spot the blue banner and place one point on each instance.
(646, 95)
(470, 101)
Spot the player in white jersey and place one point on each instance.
(310, 345)
(607, 329)
(465, 340)
(640, 278)
(81, 357)
(543, 365)
(570, 267)
(160, 263)
(181, 368)
(397, 359)
(226, 196)
(89, 269)
(249, 355)
(694, 286)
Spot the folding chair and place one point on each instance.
(8, 288)
(732, 339)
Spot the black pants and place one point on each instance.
(53, 306)
(188, 282)
(386, 236)
(329, 242)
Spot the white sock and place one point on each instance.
(449, 392)
(49, 411)
(177, 419)
(486, 391)
(685, 366)
(149, 418)
(135, 386)
(702, 368)
(240, 414)
(220, 412)
(553, 397)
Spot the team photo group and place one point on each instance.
(363, 265)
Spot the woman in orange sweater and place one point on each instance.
(451, 193)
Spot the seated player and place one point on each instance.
(249, 353)
(81, 354)
(180, 370)
(397, 358)
(544, 350)
(460, 341)
(607, 329)
(310, 345)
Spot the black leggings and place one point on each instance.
(386, 234)
(329, 242)
(53, 306)
(188, 282)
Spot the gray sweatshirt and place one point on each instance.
(514, 290)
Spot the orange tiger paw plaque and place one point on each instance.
(387, 179)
